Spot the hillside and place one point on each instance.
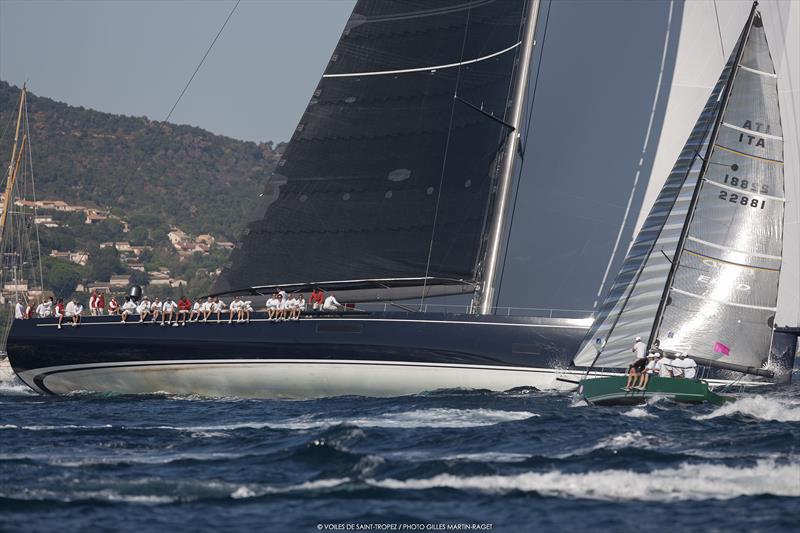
(182, 175)
(130, 200)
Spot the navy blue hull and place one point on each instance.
(74, 358)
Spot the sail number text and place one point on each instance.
(742, 199)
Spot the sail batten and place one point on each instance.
(702, 275)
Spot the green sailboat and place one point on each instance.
(701, 278)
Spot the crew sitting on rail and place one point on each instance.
(272, 306)
(169, 312)
(73, 311)
(155, 309)
(197, 311)
(281, 307)
(128, 309)
(44, 309)
(299, 306)
(218, 307)
(143, 309)
(206, 308)
(113, 306)
(30, 309)
(639, 363)
(184, 309)
(317, 299)
(331, 304)
(59, 312)
(689, 367)
(19, 311)
(644, 377)
(235, 309)
(684, 366)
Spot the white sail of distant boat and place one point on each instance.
(707, 33)
(702, 274)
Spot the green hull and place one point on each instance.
(609, 391)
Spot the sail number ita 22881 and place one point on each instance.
(745, 185)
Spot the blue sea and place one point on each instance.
(522, 460)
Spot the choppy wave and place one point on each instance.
(639, 412)
(687, 482)
(760, 407)
(424, 418)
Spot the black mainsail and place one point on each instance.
(702, 275)
(391, 171)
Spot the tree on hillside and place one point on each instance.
(61, 277)
(103, 263)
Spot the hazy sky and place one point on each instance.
(134, 57)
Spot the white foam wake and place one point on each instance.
(687, 482)
(761, 407)
(425, 418)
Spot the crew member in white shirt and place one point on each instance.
(301, 306)
(128, 309)
(676, 366)
(331, 304)
(77, 310)
(246, 309)
(168, 312)
(235, 309)
(19, 311)
(218, 307)
(649, 369)
(143, 309)
(197, 310)
(688, 365)
(43, 309)
(272, 306)
(206, 308)
(282, 307)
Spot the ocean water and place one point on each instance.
(522, 460)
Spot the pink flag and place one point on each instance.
(721, 348)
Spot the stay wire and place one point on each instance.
(719, 29)
(444, 160)
(200, 64)
(33, 196)
(523, 143)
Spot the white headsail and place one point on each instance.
(702, 274)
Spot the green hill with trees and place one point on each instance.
(179, 175)
(147, 176)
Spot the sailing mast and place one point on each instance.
(13, 167)
(487, 292)
(701, 176)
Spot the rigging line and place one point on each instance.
(719, 30)
(641, 159)
(444, 160)
(200, 64)
(524, 144)
(33, 196)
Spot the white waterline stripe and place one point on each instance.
(693, 295)
(761, 72)
(420, 69)
(752, 132)
(744, 191)
(729, 249)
